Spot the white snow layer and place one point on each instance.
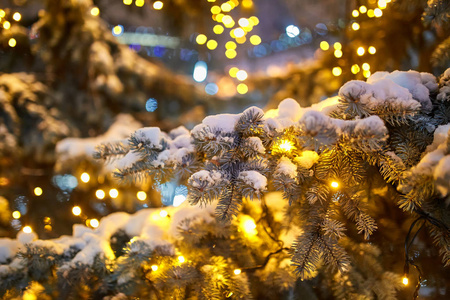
(286, 167)
(254, 179)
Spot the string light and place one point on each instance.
(158, 5)
(139, 3)
(255, 40)
(211, 44)
(405, 280)
(362, 9)
(360, 51)
(163, 213)
(334, 184)
(2, 13)
(181, 259)
(38, 191)
(241, 75)
(215, 10)
(365, 66)
(218, 29)
(241, 40)
(117, 30)
(285, 146)
(127, 2)
(6, 25)
(141, 195)
(76, 210)
(16, 214)
(237, 271)
(94, 223)
(48, 227)
(113, 193)
(230, 53)
(228, 21)
(242, 88)
(324, 45)
(239, 32)
(100, 194)
(243, 22)
(366, 74)
(226, 7)
(95, 11)
(355, 26)
(233, 71)
(17, 16)
(254, 20)
(372, 50)
(247, 3)
(27, 229)
(355, 69)
(248, 225)
(338, 53)
(219, 17)
(336, 71)
(370, 13)
(337, 46)
(201, 39)
(154, 268)
(85, 177)
(355, 13)
(377, 12)
(382, 4)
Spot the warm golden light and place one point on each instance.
(141, 195)
(76, 210)
(286, 146)
(241, 75)
(158, 5)
(139, 3)
(405, 280)
(12, 43)
(127, 2)
(163, 213)
(370, 13)
(382, 4)
(355, 26)
(230, 45)
(254, 20)
(233, 71)
(95, 11)
(241, 40)
(243, 22)
(201, 39)
(337, 46)
(228, 21)
(218, 29)
(324, 45)
(17, 16)
(255, 40)
(336, 71)
(338, 53)
(355, 69)
(113, 193)
(27, 229)
(211, 44)
(355, 13)
(360, 51)
(249, 225)
(366, 74)
(6, 25)
(242, 88)
(334, 184)
(181, 259)
(377, 12)
(230, 53)
(85, 177)
(154, 268)
(226, 7)
(94, 223)
(239, 32)
(219, 17)
(372, 50)
(38, 191)
(215, 10)
(365, 66)
(362, 9)
(237, 271)
(16, 214)
(117, 30)
(2, 13)
(100, 194)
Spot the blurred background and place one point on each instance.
(75, 73)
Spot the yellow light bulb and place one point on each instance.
(113, 193)
(233, 71)
(362, 9)
(366, 74)
(12, 43)
(365, 66)
(100, 194)
(6, 25)
(181, 259)
(141, 195)
(226, 7)
(355, 26)
(355, 13)
(336, 71)
(2, 13)
(378, 12)
(355, 69)
(286, 146)
(405, 280)
(254, 20)
(241, 75)
(242, 88)
(334, 184)
(154, 268)
(139, 3)
(372, 50)
(360, 51)
(230, 53)
(94, 223)
(85, 177)
(17, 16)
(201, 39)
(228, 21)
(95, 11)
(127, 2)
(218, 29)
(239, 32)
(370, 13)
(255, 40)
(338, 53)
(324, 45)
(248, 225)
(337, 46)
(241, 40)
(76, 210)
(382, 4)
(243, 22)
(158, 5)
(16, 214)
(38, 191)
(163, 213)
(27, 229)
(215, 10)
(219, 17)
(211, 44)
(117, 30)
(237, 271)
